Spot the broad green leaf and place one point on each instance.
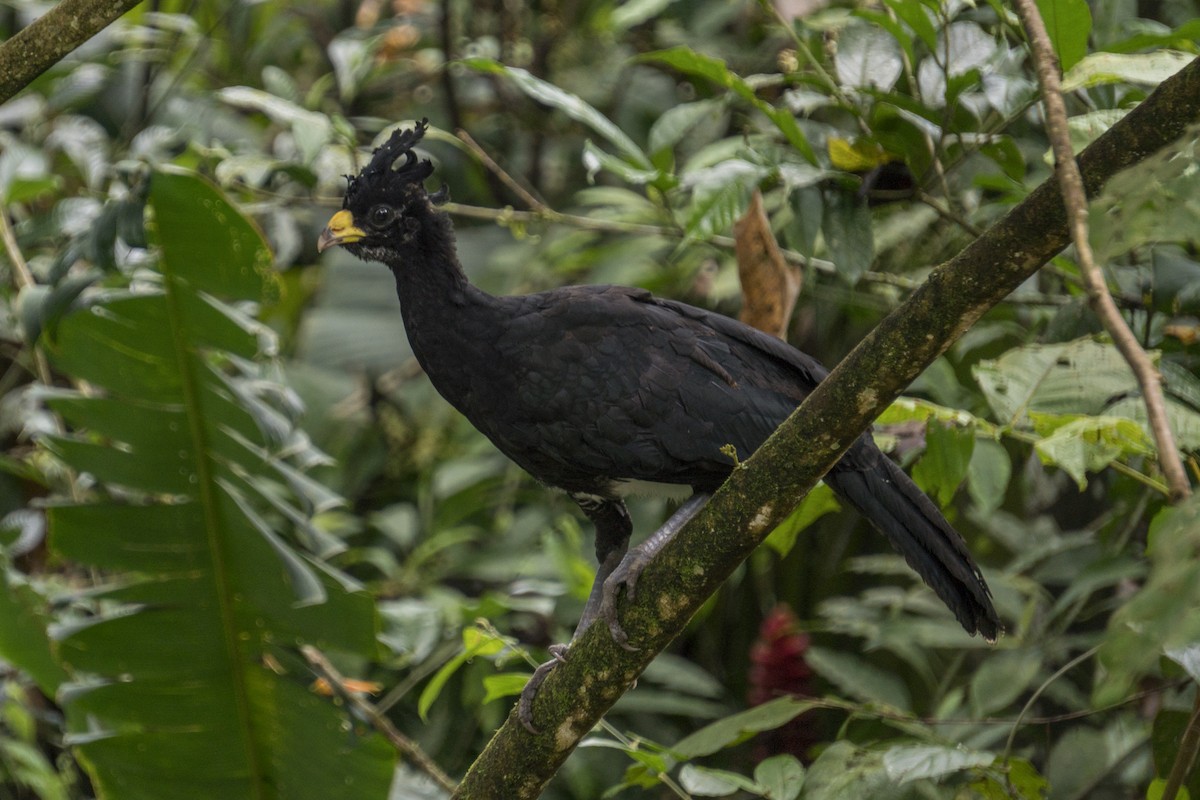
(741, 726)
(595, 159)
(506, 684)
(676, 122)
(1156, 201)
(206, 240)
(846, 223)
(1164, 614)
(1147, 69)
(1002, 678)
(816, 504)
(571, 105)
(311, 130)
(634, 12)
(1079, 445)
(1077, 377)
(171, 694)
(918, 18)
(946, 460)
(868, 57)
(781, 775)
(1069, 23)
(23, 640)
(475, 643)
(1188, 657)
(704, 782)
(907, 763)
(843, 770)
(858, 678)
(712, 69)
(988, 474)
(720, 196)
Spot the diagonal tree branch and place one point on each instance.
(52, 36)
(1101, 300)
(759, 495)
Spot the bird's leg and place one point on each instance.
(627, 572)
(612, 541)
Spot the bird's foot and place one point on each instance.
(625, 575)
(558, 653)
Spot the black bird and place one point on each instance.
(597, 390)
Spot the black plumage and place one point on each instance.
(593, 388)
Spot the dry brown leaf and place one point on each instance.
(770, 286)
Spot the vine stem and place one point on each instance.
(404, 745)
(1101, 300)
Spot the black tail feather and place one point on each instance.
(879, 490)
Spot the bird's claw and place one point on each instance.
(558, 655)
(625, 575)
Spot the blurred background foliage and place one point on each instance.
(611, 142)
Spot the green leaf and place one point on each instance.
(1002, 678)
(907, 763)
(475, 643)
(782, 776)
(23, 639)
(677, 121)
(816, 504)
(846, 224)
(1079, 445)
(918, 18)
(634, 12)
(705, 782)
(946, 460)
(868, 57)
(595, 159)
(571, 105)
(505, 684)
(1188, 657)
(312, 131)
(1163, 614)
(1069, 23)
(689, 62)
(1150, 203)
(988, 474)
(1076, 377)
(741, 726)
(843, 770)
(858, 678)
(720, 196)
(1147, 69)
(171, 692)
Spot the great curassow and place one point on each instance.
(598, 390)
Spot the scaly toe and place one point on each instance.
(525, 703)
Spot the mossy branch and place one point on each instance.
(35, 49)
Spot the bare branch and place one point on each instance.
(1101, 300)
(404, 745)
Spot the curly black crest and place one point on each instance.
(379, 181)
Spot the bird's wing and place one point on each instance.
(613, 381)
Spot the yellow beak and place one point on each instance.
(340, 230)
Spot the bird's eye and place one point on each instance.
(381, 215)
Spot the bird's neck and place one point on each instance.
(443, 312)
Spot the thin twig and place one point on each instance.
(1063, 670)
(23, 278)
(1101, 300)
(1185, 757)
(949, 214)
(404, 745)
(508, 180)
